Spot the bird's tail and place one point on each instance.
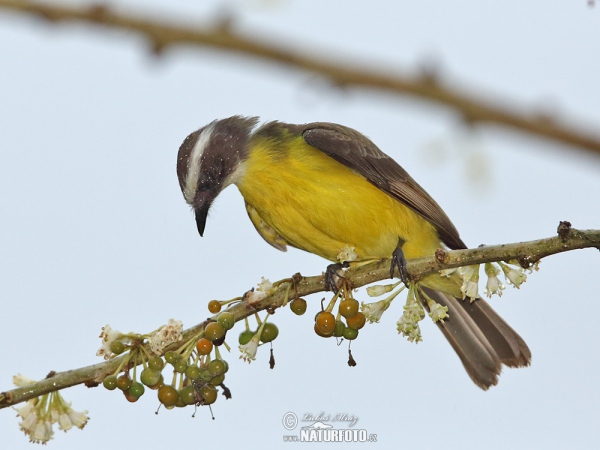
(480, 337)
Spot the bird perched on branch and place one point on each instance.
(321, 187)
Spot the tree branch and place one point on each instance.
(526, 253)
(473, 108)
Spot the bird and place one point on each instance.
(322, 186)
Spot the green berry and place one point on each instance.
(136, 390)
(298, 306)
(156, 363)
(216, 367)
(192, 372)
(188, 395)
(245, 337)
(117, 347)
(205, 374)
(150, 377)
(110, 382)
(226, 320)
(338, 331)
(350, 333)
(214, 331)
(215, 381)
(171, 357)
(209, 394)
(180, 365)
(269, 332)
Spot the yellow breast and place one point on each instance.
(319, 205)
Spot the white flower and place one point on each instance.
(374, 311)
(108, 336)
(29, 422)
(347, 254)
(437, 312)
(410, 329)
(249, 350)
(42, 433)
(166, 335)
(26, 409)
(470, 276)
(515, 276)
(265, 286)
(379, 289)
(78, 419)
(494, 285)
(64, 422)
(21, 380)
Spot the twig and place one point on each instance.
(473, 108)
(525, 252)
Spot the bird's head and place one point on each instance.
(210, 159)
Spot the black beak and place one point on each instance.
(201, 214)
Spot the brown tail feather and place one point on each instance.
(480, 337)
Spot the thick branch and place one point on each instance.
(473, 108)
(525, 252)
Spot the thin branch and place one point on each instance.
(473, 108)
(526, 253)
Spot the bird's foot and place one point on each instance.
(333, 276)
(399, 261)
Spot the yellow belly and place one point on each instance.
(319, 205)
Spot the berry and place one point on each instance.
(150, 377)
(321, 334)
(193, 372)
(110, 382)
(171, 357)
(117, 347)
(123, 382)
(205, 374)
(209, 394)
(204, 346)
(180, 365)
(356, 322)
(350, 333)
(156, 363)
(214, 331)
(298, 306)
(217, 380)
(226, 320)
(325, 323)
(216, 367)
(168, 395)
(136, 390)
(188, 395)
(269, 332)
(338, 331)
(160, 383)
(245, 337)
(348, 308)
(214, 306)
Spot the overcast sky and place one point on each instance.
(94, 228)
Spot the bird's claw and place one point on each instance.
(332, 275)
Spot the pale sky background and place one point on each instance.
(94, 228)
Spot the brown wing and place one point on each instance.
(356, 151)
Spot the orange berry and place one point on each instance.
(325, 323)
(204, 346)
(214, 306)
(348, 308)
(356, 322)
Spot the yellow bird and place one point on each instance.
(321, 187)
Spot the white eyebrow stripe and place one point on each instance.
(193, 172)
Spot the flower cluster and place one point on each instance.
(39, 414)
(408, 324)
(166, 335)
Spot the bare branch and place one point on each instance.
(473, 108)
(526, 253)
